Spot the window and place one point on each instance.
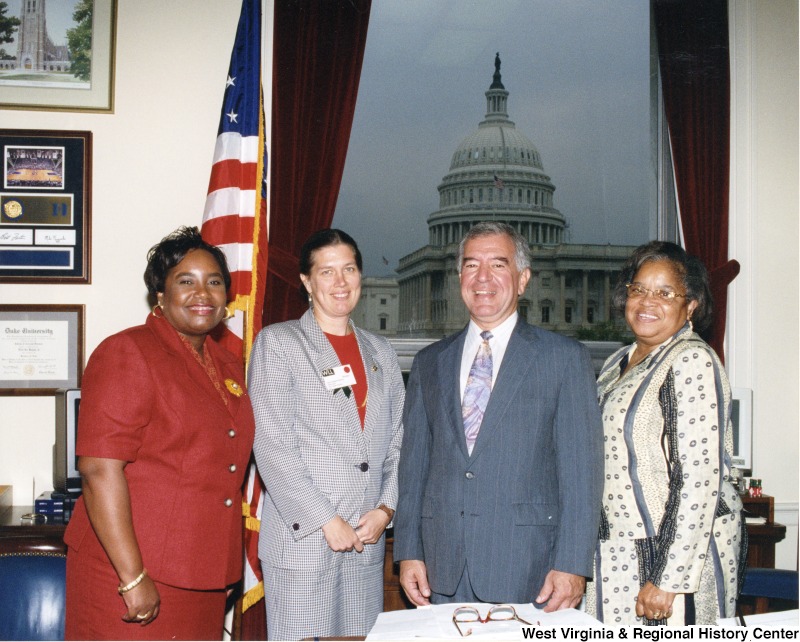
(576, 183)
(383, 301)
(382, 321)
(568, 314)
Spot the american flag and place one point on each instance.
(235, 219)
(236, 207)
(498, 182)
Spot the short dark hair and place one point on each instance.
(171, 250)
(689, 268)
(325, 238)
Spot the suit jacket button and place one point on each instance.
(232, 468)
(229, 502)
(231, 433)
(469, 474)
(363, 466)
(296, 527)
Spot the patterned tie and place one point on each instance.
(476, 394)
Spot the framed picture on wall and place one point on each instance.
(45, 206)
(60, 57)
(41, 348)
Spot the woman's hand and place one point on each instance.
(653, 603)
(371, 526)
(341, 537)
(143, 603)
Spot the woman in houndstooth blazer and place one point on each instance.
(328, 400)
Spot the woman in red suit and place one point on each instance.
(164, 437)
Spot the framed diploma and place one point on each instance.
(45, 206)
(41, 348)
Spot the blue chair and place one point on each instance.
(33, 589)
(766, 584)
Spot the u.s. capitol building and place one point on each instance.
(496, 174)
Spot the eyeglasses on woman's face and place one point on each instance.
(498, 613)
(636, 291)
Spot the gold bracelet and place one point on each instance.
(124, 589)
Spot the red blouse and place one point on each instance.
(346, 348)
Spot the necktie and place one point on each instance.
(476, 394)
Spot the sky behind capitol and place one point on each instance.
(577, 73)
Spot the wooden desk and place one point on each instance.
(763, 537)
(22, 536)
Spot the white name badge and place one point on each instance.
(338, 377)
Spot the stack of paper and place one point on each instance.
(436, 623)
(755, 519)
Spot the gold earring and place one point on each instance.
(229, 314)
(157, 306)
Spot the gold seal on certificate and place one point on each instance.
(13, 209)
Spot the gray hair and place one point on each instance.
(522, 253)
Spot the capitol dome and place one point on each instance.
(496, 173)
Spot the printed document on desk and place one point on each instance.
(775, 620)
(436, 623)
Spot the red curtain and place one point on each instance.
(695, 70)
(318, 51)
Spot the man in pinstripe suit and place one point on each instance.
(511, 515)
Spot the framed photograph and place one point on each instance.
(41, 348)
(742, 420)
(45, 206)
(60, 56)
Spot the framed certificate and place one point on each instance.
(41, 348)
(45, 206)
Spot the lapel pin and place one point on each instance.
(234, 388)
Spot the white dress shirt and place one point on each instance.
(498, 344)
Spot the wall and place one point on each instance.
(152, 159)
(763, 318)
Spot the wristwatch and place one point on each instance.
(387, 510)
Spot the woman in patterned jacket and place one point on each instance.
(672, 539)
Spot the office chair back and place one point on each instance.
(772, 583)
(32, 596)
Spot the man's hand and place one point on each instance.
(561, 591)
(341, 537)
(414, 580)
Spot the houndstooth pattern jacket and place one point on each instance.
(314, 457)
